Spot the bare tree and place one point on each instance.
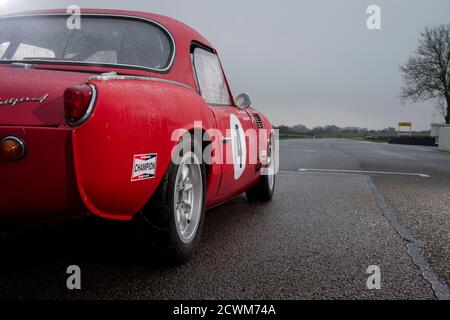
(426, 74)
(441, 107)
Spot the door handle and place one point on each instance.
(227, 139)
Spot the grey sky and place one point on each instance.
(313, 61)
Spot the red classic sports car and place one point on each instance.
(125, 116)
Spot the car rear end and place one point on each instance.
(47, 99)
(39, 107)
(37, 176)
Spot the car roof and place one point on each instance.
(183, 35)
(174, 26)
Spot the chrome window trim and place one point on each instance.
(105, 15)
(89, 111)
(140, 78)
(206, 49)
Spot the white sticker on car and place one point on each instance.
(144, 167)
(239, 146)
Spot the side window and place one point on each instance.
(210, 77)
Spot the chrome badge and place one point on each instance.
(14, 101)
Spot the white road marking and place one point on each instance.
(421, 175)
(372, 142)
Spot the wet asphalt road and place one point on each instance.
(315, 240)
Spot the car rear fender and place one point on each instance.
(131, 118)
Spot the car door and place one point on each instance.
(233, 123)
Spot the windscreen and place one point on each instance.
(99, 40)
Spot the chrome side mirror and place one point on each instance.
(243, 101)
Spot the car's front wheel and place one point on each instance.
(173, 219)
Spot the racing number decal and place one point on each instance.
(239, 146)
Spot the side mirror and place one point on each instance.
(243, 101)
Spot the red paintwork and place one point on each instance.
(69, 172)
(42, 185)
(34, 83)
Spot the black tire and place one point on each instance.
(264, 189)
(261, 191)
(156, 222)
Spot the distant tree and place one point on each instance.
(318, 130)
(332, 129)
(299, 128)
(441, 107)
(389, 130)
(283, 128)
(352, 129)
(426, 74)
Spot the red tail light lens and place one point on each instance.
(79, 103)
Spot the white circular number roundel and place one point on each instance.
(239, 146)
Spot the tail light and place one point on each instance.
(79, 103)
(11, 149)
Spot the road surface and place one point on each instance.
(340, 207)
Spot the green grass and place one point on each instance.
(285, 136)
(380, 137)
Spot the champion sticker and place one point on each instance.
(144, 167)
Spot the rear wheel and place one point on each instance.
(264, 189)
(173, 218)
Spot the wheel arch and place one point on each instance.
(131, 118)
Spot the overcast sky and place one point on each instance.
(312, 62)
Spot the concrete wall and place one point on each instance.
(444, 139)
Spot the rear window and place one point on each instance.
(101, 40)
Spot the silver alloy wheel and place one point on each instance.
(271, 166)
(188, 197)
